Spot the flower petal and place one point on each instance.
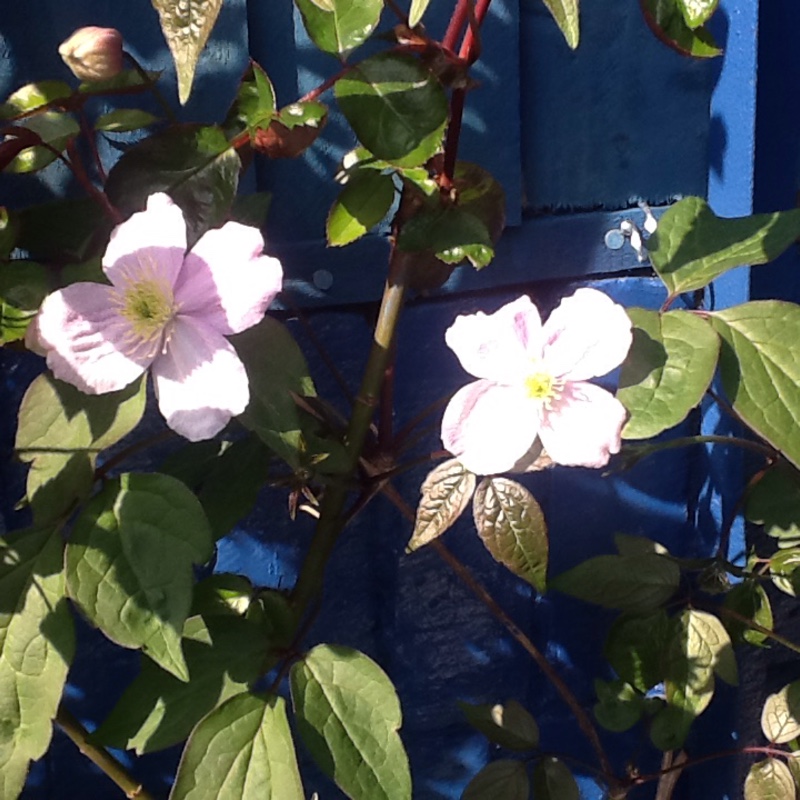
(489, 427)
(152, 244)
(199, 380)
(586, 336)
(582, 429)
(227, 281)
(87, 341)
(498, 346)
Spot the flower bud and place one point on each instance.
(93, 54)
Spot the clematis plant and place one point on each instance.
(533, 382)
(167, 310)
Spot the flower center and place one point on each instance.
(149, 306)
(543, 386)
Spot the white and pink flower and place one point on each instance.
(533, 383)
(166, 310)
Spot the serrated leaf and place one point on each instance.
(751, 601)
(339, 26)
(760, 369)
(697, 12)
(32, 96)
(194, 164)
(446, 491)
(124, 119)
(224, 655)
(504, 778)
(692, 245)
(552, 780)
(512, 527)
(360, 206)
(23, 286)
(637, 583)
(774, 502)
(54, 128)
(255, 99)
(417, 11)
(61, 431)
(666, 20)
(567, 16)
(780, 717)
(508, 725)
(669, 368)
(129, 563)
(620, 706)
(348, 716)
(186, 25)
(635, 646)
(37, 642)
(241, 751)
(769, 780)
(396, 108)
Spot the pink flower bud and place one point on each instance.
(93, 54)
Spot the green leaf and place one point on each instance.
(637, 583)
(760, 369)
(512, 527)
(396, 108)
(128, 81)
(451, 233)
(667, 371)
(241, 751)
(780, 717)
(124, 119)
(55, 129)
(774, 502)
(666, 20)
(23, 286)
(628, 545)
(252, 209)
(708, 642)
(348, 716)
(9, 230)
(224, 655)
(508, 725)
(37, 642)
(339, 26)
(446, 491)
(751, 601)
(361, 205)
(61, 431)
(635, 646)
(785, 571)
(32, 96)
(620, 706)
(129, 563)
(194, 164)
(692, 246)
(417, 11)
(255, 101)
(552, 780)
(504, 778)
(770, 779)
(697, 12)
(186, 27)
(567, 17)
(481, 195)
(293, 130)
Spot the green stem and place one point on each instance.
(99, 756)
(309, 582)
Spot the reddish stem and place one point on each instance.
(457, 23)
(76, 166)
(326, 84)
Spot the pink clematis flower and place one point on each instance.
(168, 311)
(532, 382)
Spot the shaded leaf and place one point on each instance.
(32, 96)
(511, 525)
(124, 119)
(692, 246)
(54, 129)
(628, 545)
(508, 725)
(446, 491)
(61, 431)
(635, 647)
(504, 778)
(128, 81)
(552, 780)
(567, 17)
(774, 502)
(186, 25)
(23, 286)
(667, 371)
(769, 780)
(243, 750)
(396, 108)
(638, 583)
(37, 642)
(620, 706)
(760, 369)
(780, 717)
(751, 601)
(339, 26)
(361, 205)
(348, 716)
(129, 563)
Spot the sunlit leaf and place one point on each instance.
(360, 206)
(417, 11)
(55, 129)
(780, 717)
(32, 96)
(769, 780)
(23, 286)
(567, 17)
(697, 12)
(339, 26)
(124, 119)
(666, 19)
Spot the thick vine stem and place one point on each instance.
(101, 757)
(309, 582)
